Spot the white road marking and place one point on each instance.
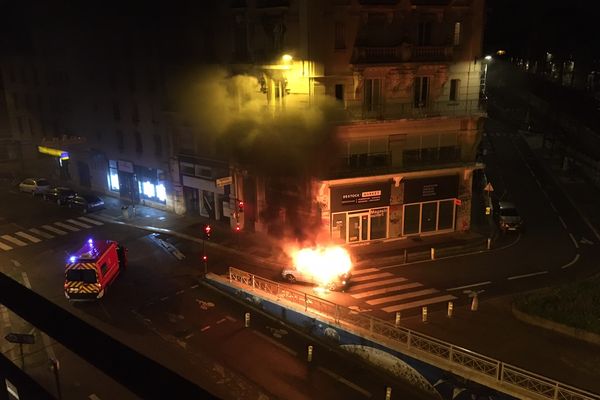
(93, 397)
(164, 298)
(67, 227)
(40, 233)
(26, 280)
(231, 318)
(28, 237)
(553, 207)
(5, 317)
(275, 343)
(207, 327)
(194, 286)
(526, 275)
(13, 240)
(573, 261)
(54, 230)
(81, 224)
(403, 296)
(373, 284)
(562, 222)
(179, 292)
(221, 320)
(5, 247)
(574, 241)
(369, 277)
(12, 390)
(90, 220)
(419, 303)
(469, 286)
(363, 271)
(345, 381)
(15, 263)
(387, 290)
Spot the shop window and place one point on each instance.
(338, 227)
(372, 95)
(446, 215)
(421, 91)
(412, 216)
(161, 192)
(113, 176)
(378, 223)
(148, 189)
(429, 217)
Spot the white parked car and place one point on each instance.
(293, 275)
(34, 186)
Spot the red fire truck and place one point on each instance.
(95, 266)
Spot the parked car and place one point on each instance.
(34, 186)
(60, 195)
(509, 218)
(293, 275)
(86, 202)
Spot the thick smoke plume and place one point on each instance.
(290, 141)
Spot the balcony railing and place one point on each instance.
(403, 53)
(388, 111)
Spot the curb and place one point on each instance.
(576, 333)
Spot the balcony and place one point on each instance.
(407, 110)
(402, 53)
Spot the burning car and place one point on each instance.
(327, 267)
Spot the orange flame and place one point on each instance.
(323, 263)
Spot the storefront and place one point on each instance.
(429, 205)
(135, 182)
(360, 212)
(62, 160)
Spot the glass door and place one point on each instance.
(358, 227)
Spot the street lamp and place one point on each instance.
(286, 58)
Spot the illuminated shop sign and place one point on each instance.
(426, 189)
(63, 155)
(345, 198)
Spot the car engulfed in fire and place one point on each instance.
(326, 267)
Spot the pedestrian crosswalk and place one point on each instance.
(391, 293)
(44, 232)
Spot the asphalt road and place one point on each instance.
(158, 307)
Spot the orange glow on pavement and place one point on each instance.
(325, 264)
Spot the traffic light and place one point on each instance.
(237, 228)
(240, 206)
(207, 230)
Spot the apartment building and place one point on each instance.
(406, 76)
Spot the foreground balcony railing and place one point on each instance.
(403, 53)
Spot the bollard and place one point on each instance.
(475, 302)
(432, 253)
(310, 354)
(247, 320)
(424, 314)
(489, 243)
(450, 309)
(388, 393)
(398, 318)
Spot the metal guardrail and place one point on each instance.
(504, 376)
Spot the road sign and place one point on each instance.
(224, 181)
(21, 338)
(488, 187)
(458, 202)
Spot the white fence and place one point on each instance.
(505, 377)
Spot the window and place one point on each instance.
(31, 128)
(157, 146)
(139, 147)
(456, 40)
(116, 111)
(454, 85)
(424, 38)
(104, 269)
(120, 140)
(81, 275)
(135, 113)
(421, 91)
(339, 36)
(113, 176)
(372, 97)
(339, 92)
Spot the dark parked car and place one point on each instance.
(60, 195)
(86, 202)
